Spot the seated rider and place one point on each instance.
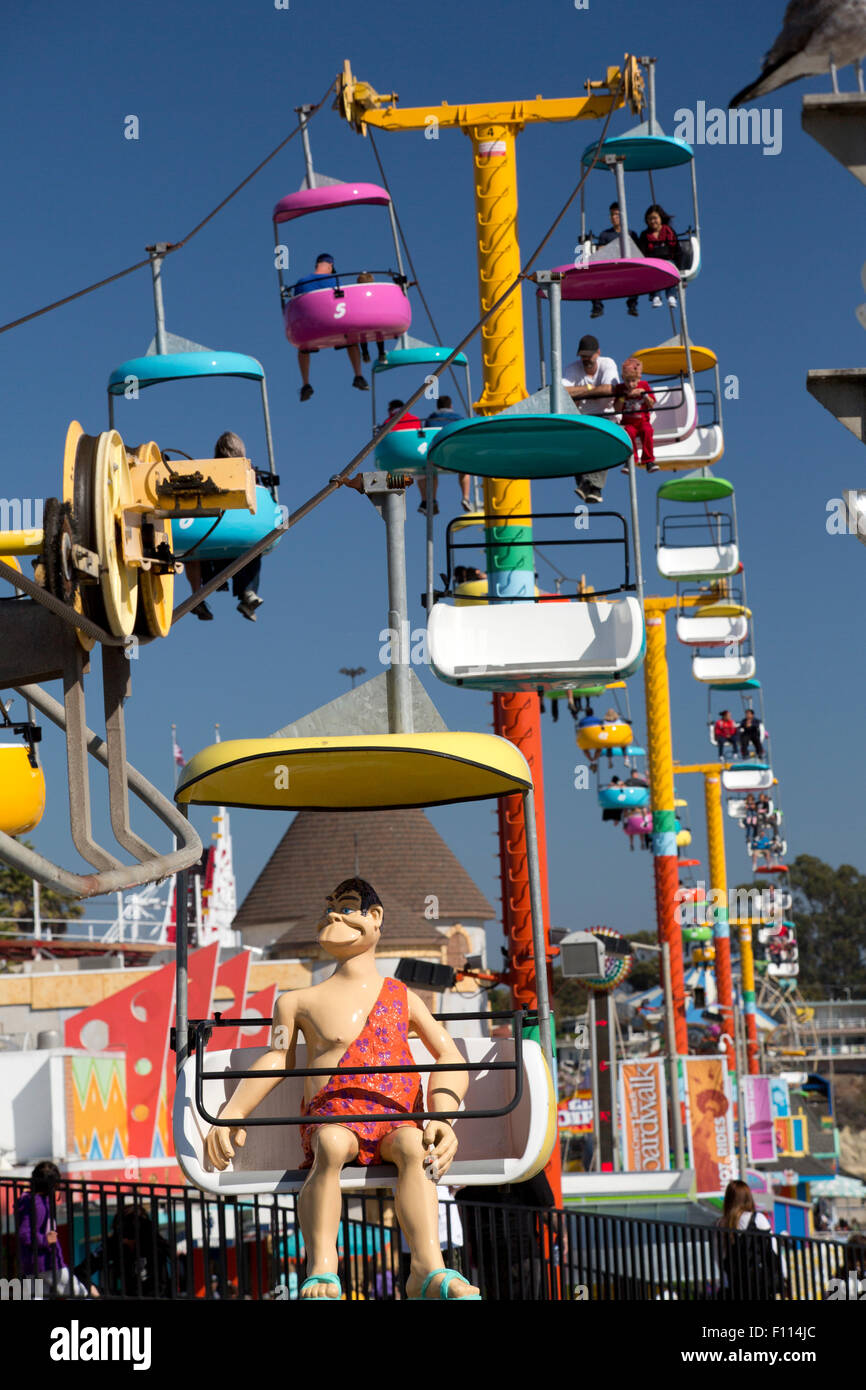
(445, 414)
(613, 233)
(245, 582)
(613, 813)
(325, 278)
(632, 401)
(367, 278)
(750, 735)
(355, 1017)
(725, 731)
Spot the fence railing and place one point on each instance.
(123, 1240)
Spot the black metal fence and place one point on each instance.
(150, 1241)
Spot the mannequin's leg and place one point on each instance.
(320, 1204)
(418, 1212)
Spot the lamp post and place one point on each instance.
(352, 672)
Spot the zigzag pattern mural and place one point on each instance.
(97, 1086)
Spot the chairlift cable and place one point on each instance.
(174, 246)
(415, 276)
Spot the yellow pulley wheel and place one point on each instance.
(156, 591)
(112, 491)
(76, 444)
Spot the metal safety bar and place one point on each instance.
(721, 522)
(199, 1035)
(288, 291)
(491, 522)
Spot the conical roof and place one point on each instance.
(398, 852)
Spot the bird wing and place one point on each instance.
(802, 19)
(799, 50)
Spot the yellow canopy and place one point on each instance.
(371, 772)
(668, 360)
(722, 608)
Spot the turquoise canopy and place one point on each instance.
(530, 446)
(418, 357)
(177, 366)
(642, 152)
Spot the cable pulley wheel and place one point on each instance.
(59, 538)
(111, 492)
(156, 590)
(77, 466)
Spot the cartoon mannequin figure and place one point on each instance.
(357, 1017)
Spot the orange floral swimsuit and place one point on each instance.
(385, 1039)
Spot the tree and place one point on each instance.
(646, 970)
(830, 915)
(16, 903)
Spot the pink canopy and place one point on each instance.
(617, 279)
(335, 195)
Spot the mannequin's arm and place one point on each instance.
(253, 1089)
(445, 1090)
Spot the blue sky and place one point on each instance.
(214, 87)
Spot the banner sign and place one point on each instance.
(575, 1113)
(643, 1116)
(758, 1114)
(710, 1124)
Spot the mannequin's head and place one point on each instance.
(352, 921)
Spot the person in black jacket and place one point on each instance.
(612, 233)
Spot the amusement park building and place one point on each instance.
(433, 910)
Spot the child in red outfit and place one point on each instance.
(632, 401)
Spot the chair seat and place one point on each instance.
(697, 561)
(718, 669)
(527, 646)
(507, 1149)
(712, 632)
(704, 446)
(747, 779)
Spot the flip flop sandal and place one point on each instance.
(450, 1276)
(322, 1279)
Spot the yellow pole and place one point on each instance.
(661, 767)
(21, 542)
(719, 889)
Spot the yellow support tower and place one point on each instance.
(712, 774)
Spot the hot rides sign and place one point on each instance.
(710, 1120)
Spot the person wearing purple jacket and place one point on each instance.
(39, 1248)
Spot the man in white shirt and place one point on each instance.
(590, 381)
